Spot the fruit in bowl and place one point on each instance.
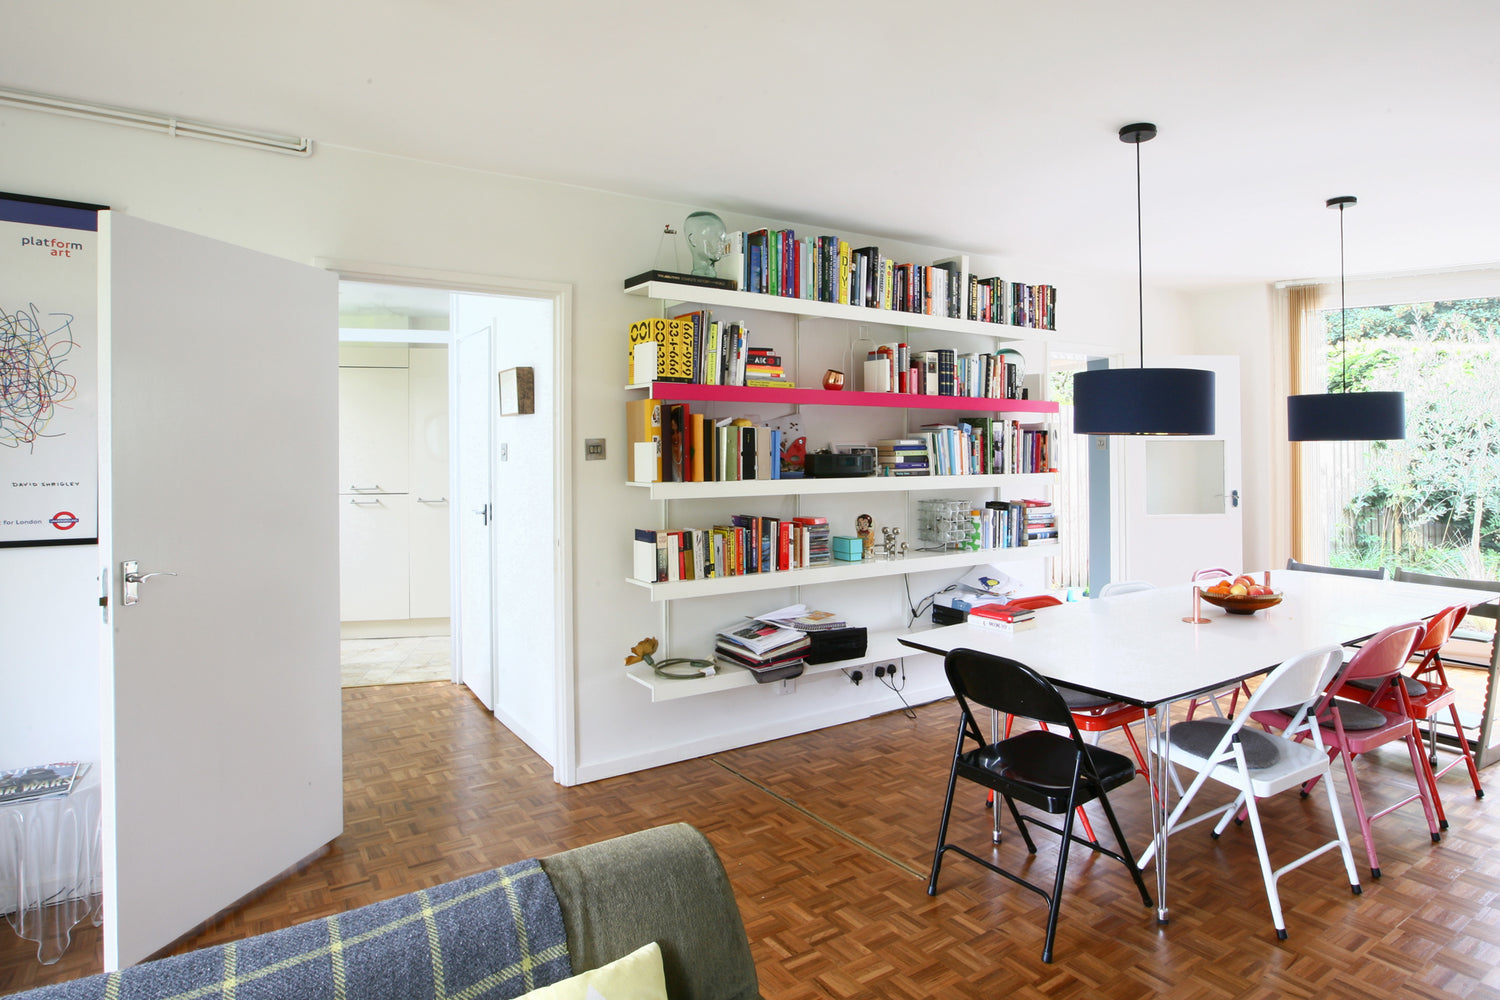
(1241, 595)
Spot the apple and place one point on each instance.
(1239, 590)
(1259, 590)
(1245, 581)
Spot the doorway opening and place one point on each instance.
(472, 561)
(394, 508)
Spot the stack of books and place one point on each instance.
(768, 651)
(902, 457)
(1041, 521)
(1002, 618)
(763, 370)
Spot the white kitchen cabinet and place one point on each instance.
(374, 430)
(374, 550)
(393, 482)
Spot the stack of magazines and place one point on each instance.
(768, 651)
(40, 781)
(798, 617)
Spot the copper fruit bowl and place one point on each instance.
(1241, 604)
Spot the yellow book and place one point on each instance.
(845, 262)
(643, 426)
(673, 348)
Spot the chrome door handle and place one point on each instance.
(484, 512)
(372, 502)
(438, 500)
(133, 577)
(364, 489)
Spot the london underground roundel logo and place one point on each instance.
(63, 520)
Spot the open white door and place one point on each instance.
(1182, 494)
(222, 759)
(475, 389)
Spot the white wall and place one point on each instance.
(1237, 321)
(49, 654)
(351, 206)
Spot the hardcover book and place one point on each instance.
(678, 278)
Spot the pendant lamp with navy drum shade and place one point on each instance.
(1345, 415)
(1143, 400)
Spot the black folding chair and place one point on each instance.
(1049, 771)
(1378, 573)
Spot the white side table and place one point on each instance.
(51, 866)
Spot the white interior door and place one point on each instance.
(222, 759)
(1182, 494)
(475, 389)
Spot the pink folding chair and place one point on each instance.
(1349, 728)
(1429, 693)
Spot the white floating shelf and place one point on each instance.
(882, 648)
(867, 484)
(669, 292)
(837, 572)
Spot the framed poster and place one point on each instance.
(49, 395)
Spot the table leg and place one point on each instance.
(1158, 726)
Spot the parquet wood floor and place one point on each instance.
(827, 837)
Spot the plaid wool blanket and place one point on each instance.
(492, 936)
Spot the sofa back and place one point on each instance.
(665, 885)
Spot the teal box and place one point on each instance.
(848, 548)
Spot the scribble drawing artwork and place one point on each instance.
(33, 385)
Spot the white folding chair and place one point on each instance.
(1259, 764)
(1118, 587)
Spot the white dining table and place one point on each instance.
(1137, 649)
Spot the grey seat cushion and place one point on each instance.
(1414, 687)
(1356, 717)
(1202, 736)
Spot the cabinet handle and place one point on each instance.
(365, 489)
(438, 500)
(356, 501)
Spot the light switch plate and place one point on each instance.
(593, 449)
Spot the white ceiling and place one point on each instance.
(984, 126)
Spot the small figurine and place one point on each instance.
(893, 545)
(864, 527)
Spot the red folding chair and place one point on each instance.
(1428, 694)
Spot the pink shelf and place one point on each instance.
(689, 392)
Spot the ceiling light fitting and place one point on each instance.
(1143, 400)
(1345, 415)
(152, 122)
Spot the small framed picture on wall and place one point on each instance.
(517, 391)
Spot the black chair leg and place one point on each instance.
(1054, 902)
(1021, 825)
(937, 854)
(1125, 852)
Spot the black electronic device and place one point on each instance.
(944, 615)
(823, 465)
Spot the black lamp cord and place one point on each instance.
(1343, 309)
(1140, 260)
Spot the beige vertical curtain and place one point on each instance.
(1304, 535)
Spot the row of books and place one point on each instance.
(749, 544)
(695, 348)
(828, 269)
(943, 372)
(691, 447)
(1003, 524)
(974, 446)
